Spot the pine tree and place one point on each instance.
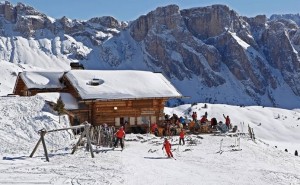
(59, 107)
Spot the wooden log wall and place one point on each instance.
(82, 116)
(20, 87)
(106, 111)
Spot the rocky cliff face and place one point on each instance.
(287, 17)
(210, 39)
(210, 53)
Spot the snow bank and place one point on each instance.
(20, 120)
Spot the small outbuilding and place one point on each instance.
(29, 83)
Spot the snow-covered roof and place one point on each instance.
(121, 84)
(69, 101)
(42, 79)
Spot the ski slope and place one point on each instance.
(143, 161)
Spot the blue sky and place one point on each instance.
(127, 10)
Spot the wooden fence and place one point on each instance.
(102, 136)
(86, 133)
(251, 133)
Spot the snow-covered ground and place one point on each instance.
(143, 161)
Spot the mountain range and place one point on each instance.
(211, 54)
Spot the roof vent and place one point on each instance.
(96, 82)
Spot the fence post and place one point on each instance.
(253, 136)
(89, 145)
(75, 147)
(43, 132)
(250, 131)
(35, 148)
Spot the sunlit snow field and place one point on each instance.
(143, 161)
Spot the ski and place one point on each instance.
(236, 149)
(220, 152)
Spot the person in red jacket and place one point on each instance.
(227, 121)
(120, 134)
(167, 146)
(154, 129)
(181, 137)
(203, 119)
(194, 116)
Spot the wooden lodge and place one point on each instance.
(105, 96)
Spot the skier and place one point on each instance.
(227, 121)
(120, 134)
(167, 146)
(181, 137)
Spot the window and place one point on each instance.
(121, 121)
(153, 119)
(82, 105)
(26, 93)
(139, 120)
(132, 121)
(145, 119)
(117, 122)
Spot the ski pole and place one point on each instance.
(221, 145)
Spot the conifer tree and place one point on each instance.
(59, 107)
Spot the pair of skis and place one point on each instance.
(170, 157)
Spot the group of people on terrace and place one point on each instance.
(174, 124)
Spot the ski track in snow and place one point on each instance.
(255, 164)
(62, 169)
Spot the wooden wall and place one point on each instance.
(20, 87)
(105, 111)
(82, 116)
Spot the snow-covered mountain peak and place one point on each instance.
(232, 59)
